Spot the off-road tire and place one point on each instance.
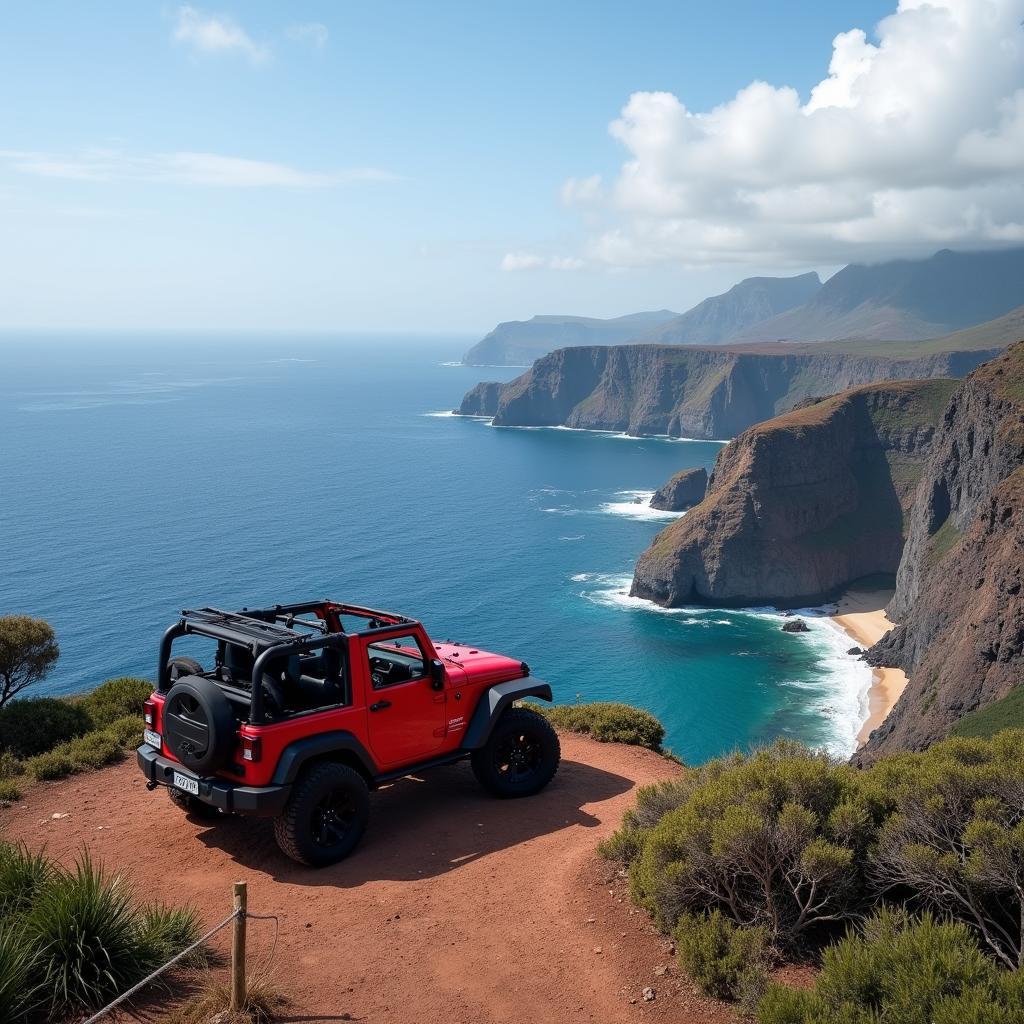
(304, 830)
(520, 757)
(193, 807)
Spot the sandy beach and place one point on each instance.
(861, 614)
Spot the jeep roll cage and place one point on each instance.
(271, 633)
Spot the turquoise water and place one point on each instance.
(147, 474)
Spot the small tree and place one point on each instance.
(28, 650)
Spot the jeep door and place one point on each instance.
(405, 714)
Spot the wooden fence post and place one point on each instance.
(238, 948)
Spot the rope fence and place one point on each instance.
(238, 917)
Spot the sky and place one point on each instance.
(442, 166)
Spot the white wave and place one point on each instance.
(452, 362)
(615, 435)
(582, 577)
(575, 536)
(841, 692)
(638, 506)
(442, 414)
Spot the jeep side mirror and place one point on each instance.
(437, 674)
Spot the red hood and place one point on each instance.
(479, 666)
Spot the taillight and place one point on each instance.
(149, 712)
(251, 748)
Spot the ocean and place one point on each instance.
(142, 474)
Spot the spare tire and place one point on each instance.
(198, 724)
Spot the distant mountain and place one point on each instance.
(716, 320)
(520, 342)
(903, 300)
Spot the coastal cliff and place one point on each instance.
(960, 587)
(801, 505)
(692, 392)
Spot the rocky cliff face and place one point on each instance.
(959, 598)
(691, 392)
(683, 491)
(801, 505)
(481, 400)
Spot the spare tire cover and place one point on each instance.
(198, 724)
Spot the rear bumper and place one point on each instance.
(259, 801)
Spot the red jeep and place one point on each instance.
(347, 698)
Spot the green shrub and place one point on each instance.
(93, 750)
(20, 991)
(775, 840)
(607, 722)
(36, 724)
(81, 937)
(126, 731)
(116, 699)
(922, 972)
(10, 766)
(9, 791)
(23, 876)
(54, 764)
(955, 839)
(94, 939)
(165, 931)
(652, 804)
(726, 961)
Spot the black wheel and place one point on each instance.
(521, 756)
(191, 806)
(325, 816)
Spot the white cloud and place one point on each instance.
(512, 261)
(313, 33)
(184, 168)
(914, 139)
(216, 34)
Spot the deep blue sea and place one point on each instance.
(143, 474)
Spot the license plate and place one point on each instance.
(187, 784)
(152, 738)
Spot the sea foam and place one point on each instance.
(841, 694)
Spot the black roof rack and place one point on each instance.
(249, 629)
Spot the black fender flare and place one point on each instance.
(494, 702)
(299, 753)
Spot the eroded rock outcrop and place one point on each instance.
(803, 504)
(683, 491)
(959, 597)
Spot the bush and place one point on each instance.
(775, 840)
(93, 750)
(116, 699)
(652, 804)
(87, 931)
(725, 961)
(9, 791)
(37, 724)
(607, 722)
(10, 766)
(23, 876)
(955, 839)
(81, 937)
(19, 984)
(922, 972)
(127, 731)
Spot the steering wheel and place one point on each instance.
(380, 671)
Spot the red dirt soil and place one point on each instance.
(456, 907)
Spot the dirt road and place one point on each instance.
(456, 908)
